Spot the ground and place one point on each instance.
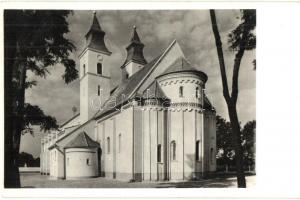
(35, 180)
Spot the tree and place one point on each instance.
(224, 143)
(240, 39)
(226, 152)
(33, 40)
(248, 142)
(28, 159)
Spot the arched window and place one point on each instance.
(127, 76)
(108, 145)
(181, 91)
(119, 143)
(87, 161)
(211, 155)
(173, 150)
(83, 69)
(99, 68)
(197, 92)
(99, 90)
(197, 150)
(159, 153)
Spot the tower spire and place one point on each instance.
(135, 36)
(135, 50)
(95, 36)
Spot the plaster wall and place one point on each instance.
(132, 67)
(170, 85)
(118, 163)
(81, 163)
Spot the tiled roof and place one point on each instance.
(126, 87)
(154, 91)
(73, 117)
(182, 65)
(95, 37)
(207, 104)
(82, 140)
(135, 50)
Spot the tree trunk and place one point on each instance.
(11, 171)
(231, 100)
(236, 137)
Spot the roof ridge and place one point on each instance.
(164, 53)
(67, 121)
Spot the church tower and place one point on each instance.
(135, 57)
(94, 72)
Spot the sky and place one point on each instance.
(157, 29)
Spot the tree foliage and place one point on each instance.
(41, 42)
(34, 116)
(244, 31)
(248, 142)
(33, 40)
(225, 147)
(28, 160)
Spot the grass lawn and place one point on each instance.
(35, 180)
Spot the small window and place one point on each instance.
(54, 155)
(87, 161)
(197, 92)
(159, 153)
(99, 68)
(120, 143)
(127, 76)
(83, 70)
(99, 90)
(173, 150)
(181, 91)
(68, 160)
(108, 145)
(197, 150)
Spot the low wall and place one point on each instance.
(29, 169)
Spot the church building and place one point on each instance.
(157, 124)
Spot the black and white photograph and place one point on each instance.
(137, 98)
(150, 100)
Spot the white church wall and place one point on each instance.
(213, 143)
(94, 57)
(210, 138)
(170, 56)
(162, 140)
(153, 143)
(132, 67)
(117, 163)
(199, 130)
(81, 163)
(138, 143)
(146, 145)
(108, 139)
(90, 80)
(124, 126)
(56, 158)
(176, 135)
(189, 144)
(60, 168)
(171, 83)
(83, 100)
